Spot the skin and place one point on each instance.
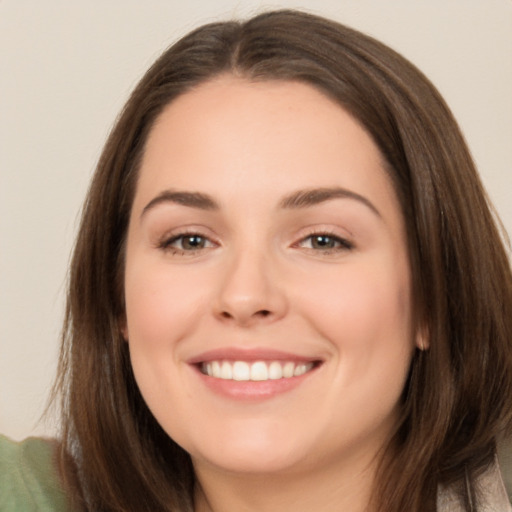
(257, 279)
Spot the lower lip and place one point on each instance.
(252, 390)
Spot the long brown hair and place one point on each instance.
(458, 398)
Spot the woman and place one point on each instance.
(287, 289)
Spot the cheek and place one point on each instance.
(359, 301)
(365, 313)
(161, 305)
(162, 308)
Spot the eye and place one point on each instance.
(325, 242)
(186, 243)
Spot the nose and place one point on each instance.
(250, 291)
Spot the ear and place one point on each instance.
(422, 338)
(123, 328)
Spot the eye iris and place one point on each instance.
(323, 242)
(193, 242)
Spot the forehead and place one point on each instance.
(231, 135)
(279, 107)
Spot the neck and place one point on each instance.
(330, 490)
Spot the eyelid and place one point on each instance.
(165, 241)
(345, 240)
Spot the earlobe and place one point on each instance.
(123, 328)
(422, 345)
(422, 341)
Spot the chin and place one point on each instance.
(250, 462)
(253, 452)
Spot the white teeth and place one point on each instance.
(256, 371)
(259, 371)
(288, 369)
(275, 371)
(241, 371)
(226, 371)
(300, 369)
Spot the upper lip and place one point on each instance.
(250, 354)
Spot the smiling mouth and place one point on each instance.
(256, 371)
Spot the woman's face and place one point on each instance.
(268, 290)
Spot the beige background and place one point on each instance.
(66, 69)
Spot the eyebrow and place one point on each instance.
(311, 197)
(297, 200)
(190, 199)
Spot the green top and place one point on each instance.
(28, 477)
(29, 482)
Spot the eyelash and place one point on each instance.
(341, 244)
(166, 244)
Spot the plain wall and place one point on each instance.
(66, 69)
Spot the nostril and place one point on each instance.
(241, 316)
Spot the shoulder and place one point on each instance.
(28, 476)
